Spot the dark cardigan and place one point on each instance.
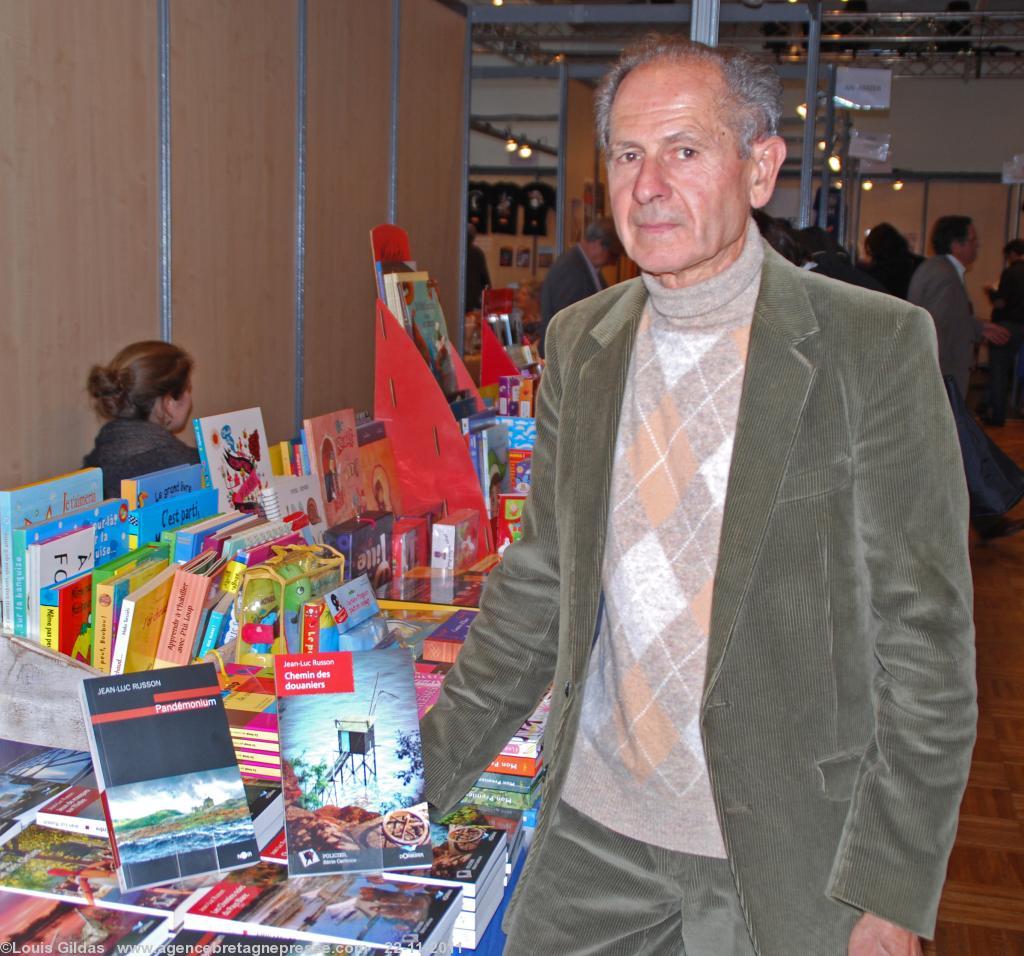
(129, 448)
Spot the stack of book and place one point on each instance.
(250, 703)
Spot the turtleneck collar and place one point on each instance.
(706, 304)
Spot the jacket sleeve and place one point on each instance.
(509, 656)
(911, 515)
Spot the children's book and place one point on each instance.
(297, 493)
(77, 809)
(405, 919)
(30, 775)
(190, 593)
(233, 450)
(109, 594)
(50, 562)
(331, 442)
(147, 524)
(155, 486)
(447, 639)
(421, 305)
(351, 762)
(483, 797)
(216, 624)
(32, 504)
(140, 622)
(64, 608)
(172, 793)
(33, 924)
(109, 519)
(378, 473)
(191, 540)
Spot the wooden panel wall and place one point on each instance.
(347, 143)
(430, 143)
(79, 199)
(78, 216)
(233, 99)
(580, 152)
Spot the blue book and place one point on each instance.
(190, 540)
(147, 524)
(109, 518)
(31, 504)
(157, 486)
(216, 623)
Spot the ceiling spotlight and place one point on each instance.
(801, 111)
(821, 145)
(524, 151)
(497, 3)
(834, 164)
(837, 183)
(867, 185)
(511, 145)
(897, 185)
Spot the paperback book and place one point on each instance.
(31, 775)
(78, 809)
(331, 443)
(171, 788)
(352, 765)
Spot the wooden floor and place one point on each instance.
(982, 911)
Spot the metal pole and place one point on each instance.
(164, 173)
(826, 173)
(396, 52)
(300, 221)
(467, 93)
(704, 22)
(563, 148)
(811, 98)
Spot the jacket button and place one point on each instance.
(568, 688)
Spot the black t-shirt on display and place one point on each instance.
(505, 200)
(478, 206)
(538, 198)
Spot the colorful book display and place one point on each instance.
(155, 486)
(164, 763)
(351, 764)
(330, 441)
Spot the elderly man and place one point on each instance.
(743, 569)
(577, 271)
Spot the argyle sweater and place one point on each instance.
(638, 765)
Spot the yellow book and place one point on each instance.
(285, 452)
(110, 595)
(138, 629)
(49, 627)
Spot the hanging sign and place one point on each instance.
(1013, 169)
(873, 146)
(862, 89)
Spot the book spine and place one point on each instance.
(522, 747)
(442, 651)
(214, 625)
(500, 798)
(49, 627)
(197, 428)
(175, 644)
(504, 781)
(18, 545)
(130, 492)
(124, 628)
(6, 583)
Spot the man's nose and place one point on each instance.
(650, 182)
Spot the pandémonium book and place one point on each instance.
(167, 774)
(351, 762)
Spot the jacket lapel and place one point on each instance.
(776, 384)
(605, 359)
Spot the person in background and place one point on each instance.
(823, 255)
(576, 273)
(1008, 313)
(743, 572)
(891, 261)
(145, 394)
(478, 277)
(780, 235)
(937, 286)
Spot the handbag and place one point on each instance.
(994, 482)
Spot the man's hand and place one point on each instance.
(996, 334)
(874, 936)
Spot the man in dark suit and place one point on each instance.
(938, 287)
(577, 271)
(743, 571)
(1008, 313)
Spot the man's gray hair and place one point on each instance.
(602, 230)
(753, 86)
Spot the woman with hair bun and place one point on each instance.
(145, 393)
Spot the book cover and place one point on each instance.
(51, 562)
(302, 493)
(172, 792)
(331, 442)
(216, 623)
(528, 740)
(77, 809)
(155, 486)
(30, 775)
(147, 524)
(109, 519)
(481, 796)
(32, 504)
(109, 594)
(190, 589)
(140, 622)
(447, 639)
(266, 807)
(74, 602)
(398, 917)
(191, 539)
(194, 942)
(428, 684)
(352, 763)
(378, 473)
(233, 451)
(422, 312)
(520, 766)
(33, 924)
(465, 855)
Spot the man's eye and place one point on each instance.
(685, 152)
(628, 156)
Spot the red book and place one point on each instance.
(517, 766)
(74, 605)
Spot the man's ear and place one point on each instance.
(766, 158)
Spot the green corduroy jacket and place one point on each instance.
(839, 706)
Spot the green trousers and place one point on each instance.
(595, 892)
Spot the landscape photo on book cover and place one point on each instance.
(30, 774)
(184, 816)
(352, 770)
